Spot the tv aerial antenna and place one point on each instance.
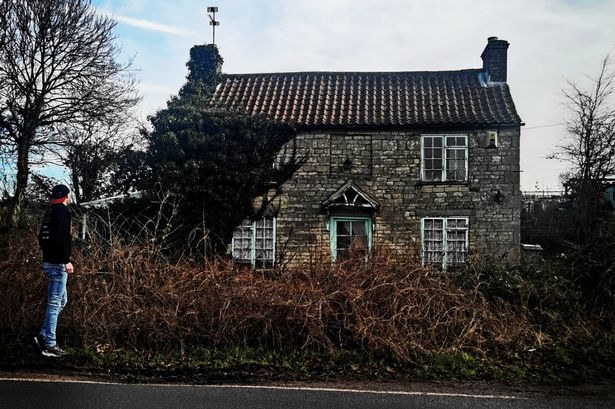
(213, 22)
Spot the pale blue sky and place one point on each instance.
(550, 41)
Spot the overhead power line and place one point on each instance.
(544, 126)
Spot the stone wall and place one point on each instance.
(387, 166)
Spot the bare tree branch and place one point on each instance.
(590, 143)
(58, 69)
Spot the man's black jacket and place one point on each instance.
(54, 236)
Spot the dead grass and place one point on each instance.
(127, 295)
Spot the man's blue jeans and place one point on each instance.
(56, 300)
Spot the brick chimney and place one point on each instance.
(494, 58)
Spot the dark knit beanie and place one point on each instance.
(59, 191)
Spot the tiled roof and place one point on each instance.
(355, 99)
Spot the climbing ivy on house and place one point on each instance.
(215, 162)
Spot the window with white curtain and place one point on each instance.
(444, 241)
(254, 242)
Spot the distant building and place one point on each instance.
(537, 200)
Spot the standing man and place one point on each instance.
(55, 241)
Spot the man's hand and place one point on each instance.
(69, 268)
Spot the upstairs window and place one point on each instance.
(444, 241)
(444, 158)
(254, 242)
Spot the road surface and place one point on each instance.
(34, 393)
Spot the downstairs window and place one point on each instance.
(349, 234)
(444, 241)
(254, 242)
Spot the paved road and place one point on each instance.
(18, 394)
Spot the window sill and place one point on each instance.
(445, 183)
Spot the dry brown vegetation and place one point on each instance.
(128, 295)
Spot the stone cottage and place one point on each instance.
(424, 162)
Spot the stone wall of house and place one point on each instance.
(387, 166)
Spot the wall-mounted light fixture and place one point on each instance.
(499, 197)
(347, 165)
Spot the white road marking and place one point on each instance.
(290, 388)
(305, 388)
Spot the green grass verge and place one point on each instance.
(559, 365)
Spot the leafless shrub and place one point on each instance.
(126, 294)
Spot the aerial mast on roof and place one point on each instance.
(213, 23)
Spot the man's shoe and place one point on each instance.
(53, 352)
(39, 343)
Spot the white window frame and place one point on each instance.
(253, 238)
(444, 137)
(445, 230)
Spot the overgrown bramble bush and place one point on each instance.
(568, 298)
(127, 295)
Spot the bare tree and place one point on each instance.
(93, 152)
(3, 16)
(590, 146)
(58, 67)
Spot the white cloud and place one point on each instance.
(147, 24)
(550, 41)
(158, 88)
